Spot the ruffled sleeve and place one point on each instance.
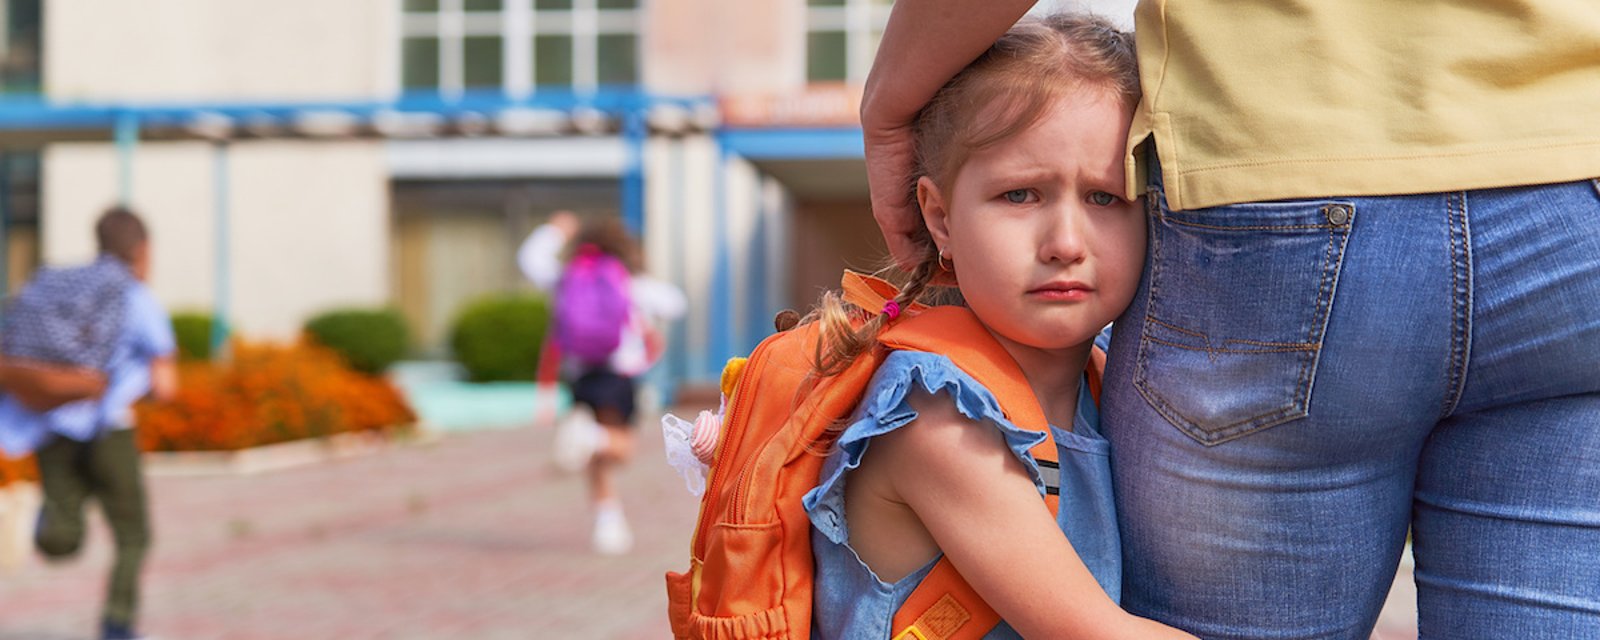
(884, 408)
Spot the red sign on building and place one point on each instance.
(819, 105)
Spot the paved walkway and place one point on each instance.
(472, 536)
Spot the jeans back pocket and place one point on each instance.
(1239, 298)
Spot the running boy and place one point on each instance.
(86, 448)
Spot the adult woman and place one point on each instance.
(1313, 363)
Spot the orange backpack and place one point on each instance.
(750, 571)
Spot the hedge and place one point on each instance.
(369, 339)
(193, 331)
(498, 338)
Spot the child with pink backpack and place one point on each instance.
(603, 326)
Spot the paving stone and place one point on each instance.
(472, 536)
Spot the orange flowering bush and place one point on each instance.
(267, 394)
(17, 470)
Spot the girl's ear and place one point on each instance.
(935, 212)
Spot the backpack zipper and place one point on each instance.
(727, 444)
(739, 512)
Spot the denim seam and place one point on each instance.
(1332, 261)
(1197, 334)
(1224, 350)
(1278, 347)
(1256, 227)
(1141, 361)
(1460, 299)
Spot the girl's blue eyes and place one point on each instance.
(1096, 198)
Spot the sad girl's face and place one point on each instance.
(1045, 249)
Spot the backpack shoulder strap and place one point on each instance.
(1093, 373)
(944, 606)
(956, 333)
(870, 292)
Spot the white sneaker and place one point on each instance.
(611, 534)
(575, 440)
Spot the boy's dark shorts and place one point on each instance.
(604, 390)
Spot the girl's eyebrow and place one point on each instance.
(1105, 180)
(1029, 174)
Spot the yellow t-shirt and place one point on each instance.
(1252, 100)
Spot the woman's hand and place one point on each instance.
(924, 45)
(891, 161)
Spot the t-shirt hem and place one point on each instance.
(1201, 187)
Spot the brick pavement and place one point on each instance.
(472, 536)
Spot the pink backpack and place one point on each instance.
(592, 305)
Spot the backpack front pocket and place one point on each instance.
(1239, 298)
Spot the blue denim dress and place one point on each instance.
(851, 602)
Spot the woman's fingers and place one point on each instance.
(891, 159)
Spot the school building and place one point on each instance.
(298, 155)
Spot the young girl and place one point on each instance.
(1021, 187)
(598, 436)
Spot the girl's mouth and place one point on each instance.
(1062, 291)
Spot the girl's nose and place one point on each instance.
(1062, 237)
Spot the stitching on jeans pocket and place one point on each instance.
(1238, 304)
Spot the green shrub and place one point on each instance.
(498, 338)
(193, 331)
(369, 339)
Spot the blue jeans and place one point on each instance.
(1297, 384)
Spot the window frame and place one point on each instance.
(26, 79)
(861, 22)
(517, 24)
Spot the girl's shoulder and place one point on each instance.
(905, 380)
(913, 387)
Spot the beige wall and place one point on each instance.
(220, 49)
(714, 46)
(828, 238)
(446, 261)
(309, 223)
(680, 230)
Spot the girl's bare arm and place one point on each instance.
(977, 501)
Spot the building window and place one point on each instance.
(20, 46)
(518, 45)
(19, 218)
(482, 56)
(841, 38)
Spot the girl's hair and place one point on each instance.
(612, 238)
(996, 97)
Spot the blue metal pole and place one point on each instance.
(127, 140)
(721, 320)
(5, 224)
(220, 185)
(634, 132)
(678, 342)
(757, 313)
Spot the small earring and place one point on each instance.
(951, 267)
